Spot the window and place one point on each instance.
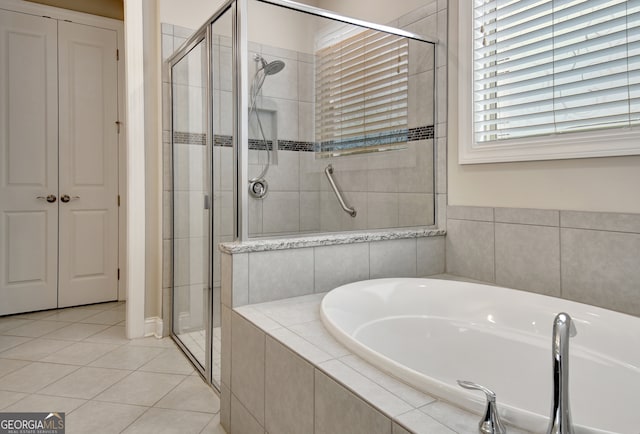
(549, 79)
(361, 93)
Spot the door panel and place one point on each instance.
(88, 165)
(28, 163)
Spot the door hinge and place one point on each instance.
(118, 200)
(118, 274)
(118, 123)
(117, 54)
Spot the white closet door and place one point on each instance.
(28, 163)
(88, 245)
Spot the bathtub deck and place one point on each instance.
(295, 322)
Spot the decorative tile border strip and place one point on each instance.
(421, 133)
(189, 138)
(409, 135)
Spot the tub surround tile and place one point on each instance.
(379, 397)
(401, 390)
(241, 420)
(337, 381)
(396, 258)
(338, 265)
(524, 216)
(316, 333)
(225, 407)
(470, 249)
(398, 429)
(289, 391)
(600, 268)
(301, 346)
(601, 221)
(258, 318)
(430, 256)
(528, 257)
(247, 366)
(417, 422)
(476, 213)
(581, 256)
(338, 410)
(267, 268)
(296, 310)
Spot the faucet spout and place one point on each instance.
(563, 329)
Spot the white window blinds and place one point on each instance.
(546, 67)
(361, 91)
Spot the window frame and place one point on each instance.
(607, 142)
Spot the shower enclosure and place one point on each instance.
(290, 120)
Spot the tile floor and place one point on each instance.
(78, 361)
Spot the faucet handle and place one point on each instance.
(490, 423)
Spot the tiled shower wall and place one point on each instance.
(588, 257)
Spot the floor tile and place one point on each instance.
(36, 315)
(141, 388)
(170, 361)
(80, 353)
(7, 366)
(35, 349)
(108, 317)
(7, 398)
(7, 342)
(101, 417)
(42, 404)
(110, 335)
(214, 426)
(71, 314)
(127, 357)
(10, 322)
(36, 328)
(85, 383)
(76, 331)
(192, 394)
(162, 421)
(153, 342)
(34, 377)
(122, 307)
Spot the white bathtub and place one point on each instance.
(431, 333)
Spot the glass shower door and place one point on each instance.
(191, 206)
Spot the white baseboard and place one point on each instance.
(153, 327)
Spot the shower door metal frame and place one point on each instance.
(203, 35)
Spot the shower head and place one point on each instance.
(270, 68)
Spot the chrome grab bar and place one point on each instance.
(349, 210)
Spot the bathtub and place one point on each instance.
(430, 333)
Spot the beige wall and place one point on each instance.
(103, 8)
(187, 13)
(587, 184)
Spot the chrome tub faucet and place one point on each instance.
(563, 330)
